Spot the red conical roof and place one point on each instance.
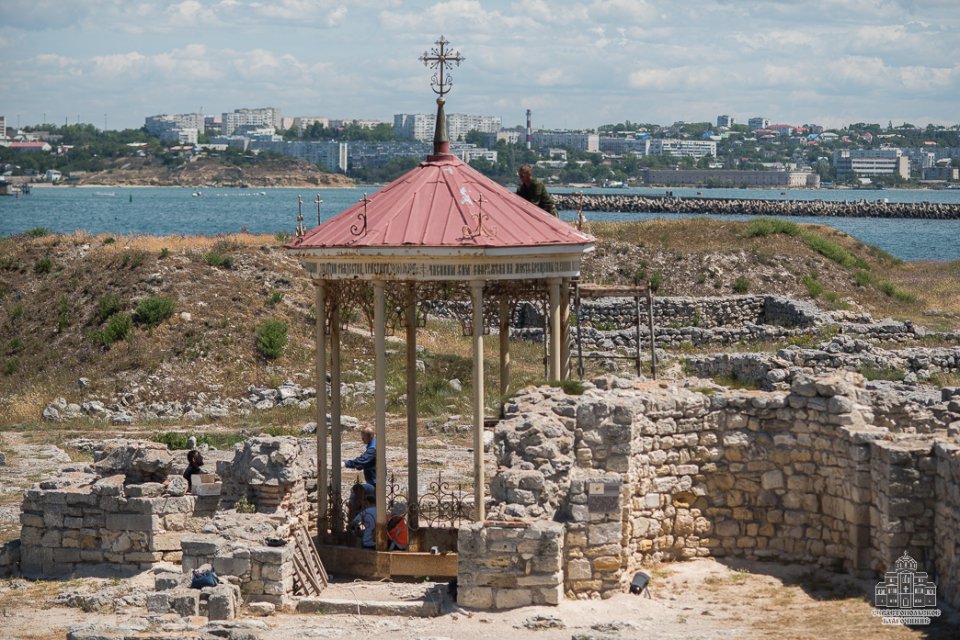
(435, 205)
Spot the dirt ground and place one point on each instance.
(702, 599)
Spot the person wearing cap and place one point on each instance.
(366, 461)
(366, 520)
(397, 532)
(533, 190)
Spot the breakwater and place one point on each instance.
(759, 207)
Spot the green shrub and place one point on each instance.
(275, 298)
(109, 240)
(15, 344)
(10, 366)
(153, 310)
(886, 373)
(814, 288)
(37, 232)
(63, 312)
(741, 285)
(271, 338)
(108, 305)
(133, 259)
(282, 237)
(833, 251)
(16, 312)
(891, 290)
(761, 227)
(656, 281)
(8, 264)
(164, 253)
(244, 505)
(570, 386)
(117, 327)
(217, 259)
(862, 278)
(43, 265)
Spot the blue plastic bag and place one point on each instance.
(203, 579)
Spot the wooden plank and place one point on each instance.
(301, 568)
(310, 554)
(610, 290)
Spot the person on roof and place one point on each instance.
(533, 190)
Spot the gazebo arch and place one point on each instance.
(440, 228)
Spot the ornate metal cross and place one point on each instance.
(441, 59)
(300, 230)
(318, 202)
(357, 229)
(481, 217)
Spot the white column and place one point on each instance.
(413, 489)
(336, 430)
(380, 394)
(321, 306)
(476, 288)
(553, 285)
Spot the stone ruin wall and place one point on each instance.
(800, 476)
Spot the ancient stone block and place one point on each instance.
(475, 597)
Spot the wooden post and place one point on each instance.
(413, 489)
(554, 288)
(504, 347)
(336, 430)
(639, 362)
(564, 328)
(476, 288)
(321, 306)
(380, 395)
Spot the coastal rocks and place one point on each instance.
(759, 207)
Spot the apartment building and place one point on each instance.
(183, 128)
(677, 148)
(421, 126)
(3, 126)
(725, 121)
(871, 162)
(264, 117)
(588, 142)
(758, 122)
(619, 146)
(470, 152)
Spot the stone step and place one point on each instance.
(417, 608)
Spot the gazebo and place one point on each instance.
(442, 232)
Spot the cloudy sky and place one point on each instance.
(576, 64)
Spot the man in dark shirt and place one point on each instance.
(366, 461)
(533, 190)
(194, 465)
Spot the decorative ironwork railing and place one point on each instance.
(442, 505)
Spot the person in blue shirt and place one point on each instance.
(366, 520)
(366, 461)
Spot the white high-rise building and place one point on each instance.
(725, 121)
(589, 142)
(683, 148)
(265, 117)
(871, 162)
(759, 122)
(3, 126)
(163, 126)
(421, 126)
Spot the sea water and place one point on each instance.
(177, 211)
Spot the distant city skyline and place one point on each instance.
(575, 64)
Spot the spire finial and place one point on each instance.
(441, 59)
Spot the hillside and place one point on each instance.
(225, 171)
(56, 292)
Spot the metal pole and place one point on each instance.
(322, 499)
(476, 289)
(380, 395)
(412, 480)
(653, 337)
(336, 429)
